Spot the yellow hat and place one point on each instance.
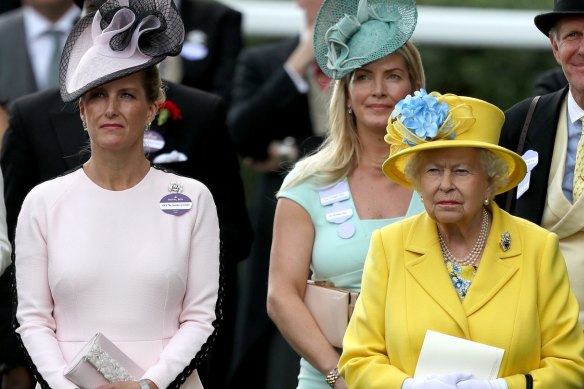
(434, 121)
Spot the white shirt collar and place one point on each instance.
(575, 112)
(36, 24)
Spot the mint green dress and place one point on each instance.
(341, 243)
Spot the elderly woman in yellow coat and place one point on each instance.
(463, 268)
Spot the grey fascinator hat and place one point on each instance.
(121, 38)
(351, 33)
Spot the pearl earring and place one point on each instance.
(486, 202)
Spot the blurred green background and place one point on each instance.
(501, 76)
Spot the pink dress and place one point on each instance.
(93, 260)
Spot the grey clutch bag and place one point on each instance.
(331, 308)
(101, 362)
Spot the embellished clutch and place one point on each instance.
(101, 362)
(331, 308)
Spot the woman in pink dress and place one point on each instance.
(118, 246)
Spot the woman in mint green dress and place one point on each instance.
(331, 201)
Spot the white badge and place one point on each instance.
(531, 158)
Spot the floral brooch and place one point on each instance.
(167, 110)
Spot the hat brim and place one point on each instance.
(103, 69)
(545, 22)
(395, 165)
(118, 41)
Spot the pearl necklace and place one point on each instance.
(473, 257)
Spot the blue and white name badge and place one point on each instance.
(195, 46)
(175, 203)
(334, 194)
(153, 141)
(346, 230)
(531, 158)
(339, 213)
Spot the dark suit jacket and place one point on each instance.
(16, 73)
(9, 5)
(45, 137)
(540, 137)
(266, 106)
(221, 26)
(550, 81)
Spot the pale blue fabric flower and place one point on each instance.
(421, 114)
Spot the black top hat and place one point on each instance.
(562, 9)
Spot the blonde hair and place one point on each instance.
(341, 149)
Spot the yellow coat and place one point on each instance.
(520, 300)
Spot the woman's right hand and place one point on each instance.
(444, 381)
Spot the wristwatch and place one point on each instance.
(143, 384)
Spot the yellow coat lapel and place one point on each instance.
(497, 266)
(424, 262)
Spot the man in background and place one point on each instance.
(554, 144)
(213, 40)
(278, 113)
(31, 40)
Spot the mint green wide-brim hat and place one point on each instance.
(351, 33)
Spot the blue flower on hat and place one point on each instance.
(422, 114)
(426, 117)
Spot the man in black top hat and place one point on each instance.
(551, 194)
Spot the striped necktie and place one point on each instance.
(579, 168)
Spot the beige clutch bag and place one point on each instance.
(331, 308)
(101, 362)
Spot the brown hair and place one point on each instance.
(152, 84)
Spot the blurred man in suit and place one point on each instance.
(278, 113)
(213, 41)
(45, 138)
(550, 81)
(31, 40)
(553, 138)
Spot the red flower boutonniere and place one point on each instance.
(167, 110)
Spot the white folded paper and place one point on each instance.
(443, 354)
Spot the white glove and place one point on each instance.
(444, 381)
(499, 383)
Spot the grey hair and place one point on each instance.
(494, 166)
